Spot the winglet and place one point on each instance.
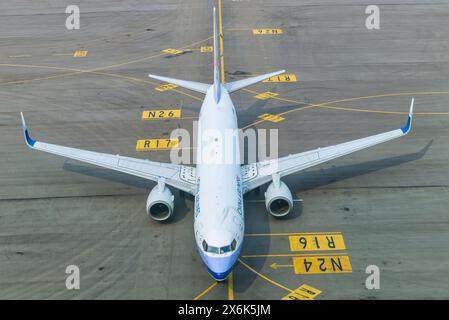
(30, 142)
(408, 126)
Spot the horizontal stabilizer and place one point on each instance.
(191, 85)
(240, 84)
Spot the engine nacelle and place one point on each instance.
(160, 202)
(278, 198)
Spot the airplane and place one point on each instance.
(218, 188)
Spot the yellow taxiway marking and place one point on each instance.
(172, 51)
(304, 292)
(231, 286)
(270, 117)
(73, 71)
(265, 95)
(328, 104)
(288, 77)
(80, 54)
(156, 144)
(206, 49)
(265, 277)
(275, 266)
(323, 242)
(165, 87)
(161, 114)
(321, 264)
(213, 285)
(220, 31)
(286, 234)
(62, 54)
(290, 291)
(279, 255)
(238, 29)
(267, 31)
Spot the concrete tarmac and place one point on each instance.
(390, 203)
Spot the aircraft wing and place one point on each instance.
(257, 174)
(178, 176)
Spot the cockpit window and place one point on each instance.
(220, 250)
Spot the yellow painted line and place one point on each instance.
(220, 28)
(265, 95)
(271, 117)
(172, 51)
(156, 144)
(213, 285)
(383, 112)
(144, 81)
(149, 57)
(96, 71)
(207, 49)
(311, 291)
(275, 266)
(273, 31)
(321, 264)
(324, 242)
(238, 29)
(279, 255)
(80, 54)
(92, 71)
(62, 54)
(328, 103)
(287, 234)
(161, 114)
(165, 87)
(288, 77)
(307, 106)
(304, 292)
(265, 277)
(231, 287)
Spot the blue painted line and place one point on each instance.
(30, 141)
(407, 126)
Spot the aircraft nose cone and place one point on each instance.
(220, 276)
(220, 267)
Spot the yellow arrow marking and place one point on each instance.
(275, 266)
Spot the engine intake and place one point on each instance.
(160, 202)
(278, 198)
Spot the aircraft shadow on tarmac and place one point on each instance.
(181, 209)
(257, 221)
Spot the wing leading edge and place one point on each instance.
(178, 176)
(262, 172)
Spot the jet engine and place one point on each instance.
(160, 202)
(278, 198)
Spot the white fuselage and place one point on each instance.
(219, 217)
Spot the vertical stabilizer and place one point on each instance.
(217, 57)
